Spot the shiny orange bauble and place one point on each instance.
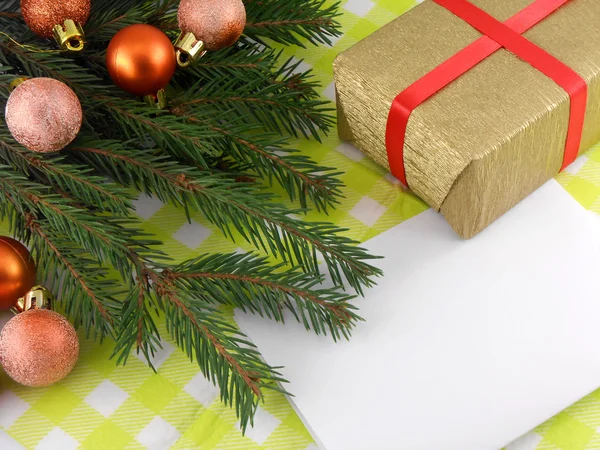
(17, 272)
(141, 59)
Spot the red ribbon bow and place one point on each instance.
(496, 35)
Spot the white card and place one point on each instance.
(466, 345)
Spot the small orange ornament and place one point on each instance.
(17, 272)
(38, 347)
(63, 20)
(43, 114)
(141, 59)
(208, 25)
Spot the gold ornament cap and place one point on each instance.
(16, 83)
(69, 37)
(189, 49)
(158, 101)
(37, 298)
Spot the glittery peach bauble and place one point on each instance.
(218, 23)
(38, 348)
(42, 15)
(17, 272)
(43, 115)
(141, 59)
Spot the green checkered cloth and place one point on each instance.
(104, 407)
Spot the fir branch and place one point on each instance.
(10, 17)
(94, 191)
(252, 284)
(105, 22)
(80, 284)
(289, 105)
(239, 63)
(312, 21)
(299, 175)
(260, 221)
(139, 121)
(194, 138)
(87, 294)
(137, 327)
(224, 354)
(102, 238)
(53, 65)
(230, 119)
(199, 139)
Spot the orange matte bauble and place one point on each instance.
(17, 272)
(141, 59)
(38, 348)
(217, 23)
(43, 15)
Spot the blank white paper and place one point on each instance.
(466, 345)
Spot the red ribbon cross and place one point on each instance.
(497, 35)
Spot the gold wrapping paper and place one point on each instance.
(482, 144)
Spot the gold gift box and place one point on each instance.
(489, 139)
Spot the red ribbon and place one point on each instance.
(497, 35)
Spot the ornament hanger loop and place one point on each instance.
(189, 49)
(16, 83)
(70, 37)
(37, 298)
(158, 101)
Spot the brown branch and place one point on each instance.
(150, 123)
(182, 182)
(280, 23)
(140, 325)
(164, 289)
(291, 290)
(255, 148)
(41, 164)
(10, 15)
(92, 31)
(37, 229)
(179, 180)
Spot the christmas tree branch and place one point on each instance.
(289, 105)
(137, 328)
(223, 353)
(86, 293)
(265, 224)
(300, 176)
(92, 190)
(102, 238)
(224, 137)
(199, 139)
(252, 284)
(9, 16)
(311, 21)
(105, 22)
(239, 63)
